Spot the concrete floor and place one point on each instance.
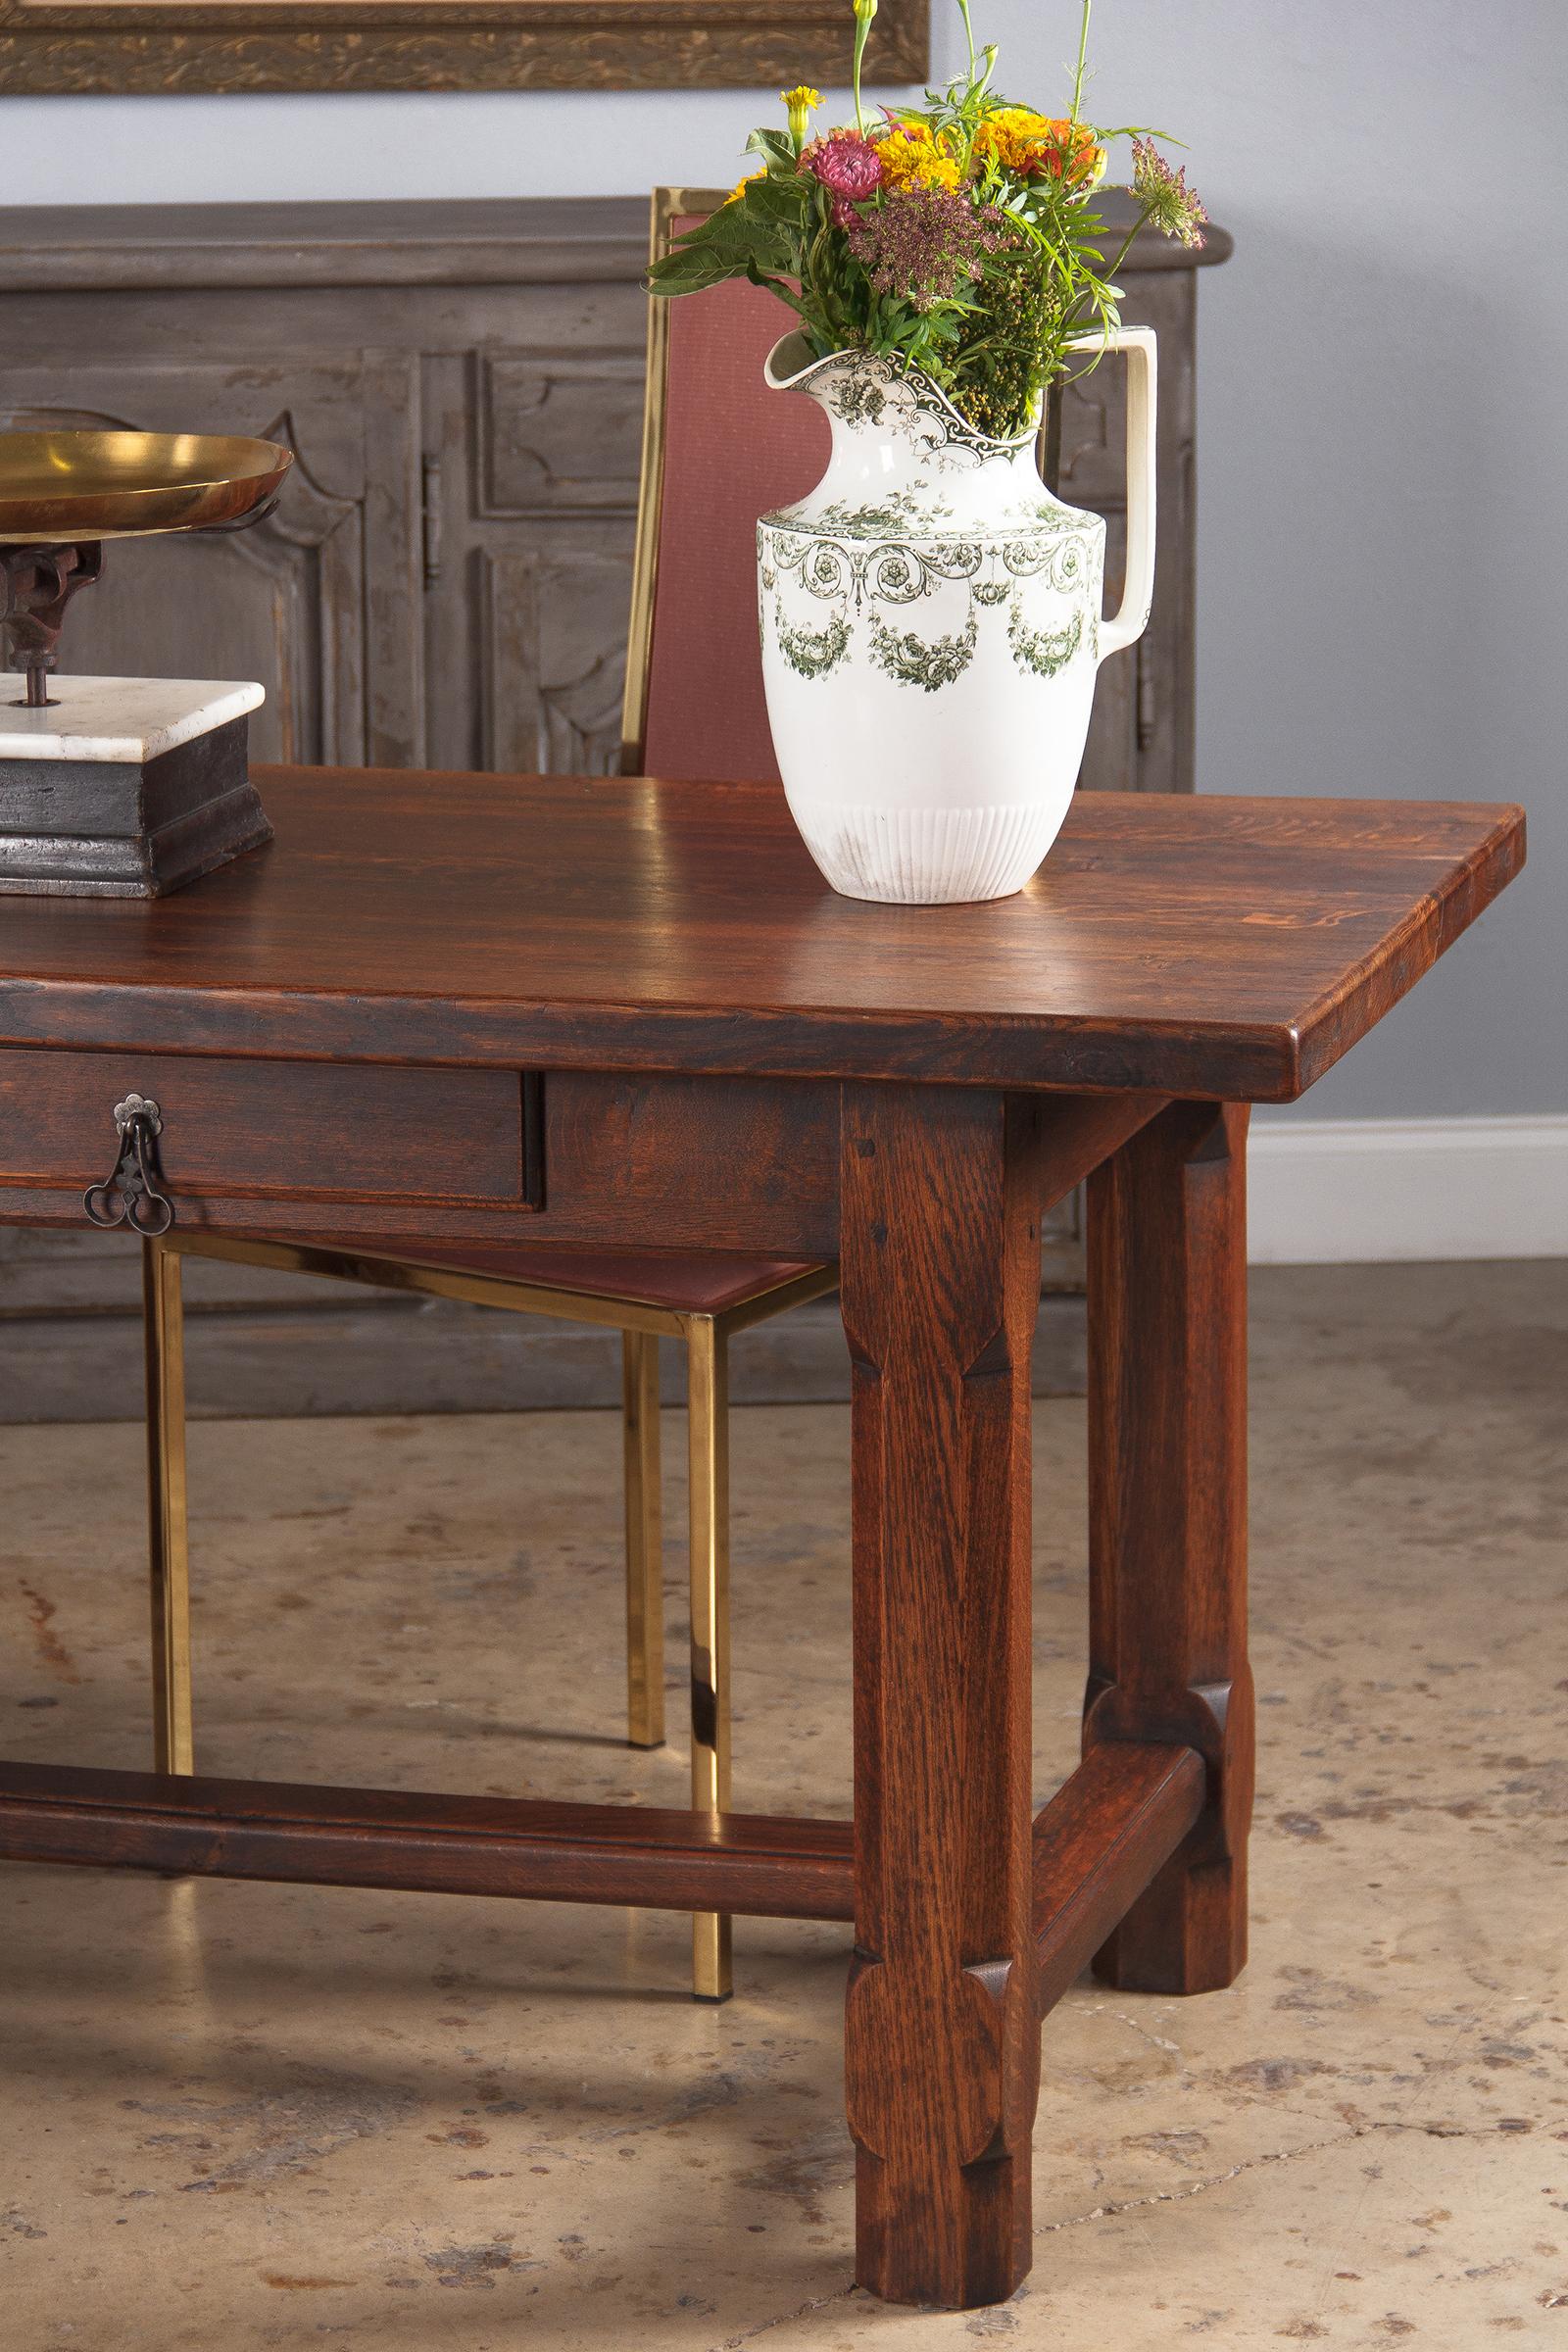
(242, 2116)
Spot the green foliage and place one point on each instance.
(990, 319)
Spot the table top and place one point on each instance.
(1229, 949)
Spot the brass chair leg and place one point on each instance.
(644, 1541)
(164, 1328)
(707, 1397)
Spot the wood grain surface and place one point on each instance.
(1168, 1518)
(375, 1133)
(1098, 1844)
(1225, 949)
(647, 1855)
(940, 1285)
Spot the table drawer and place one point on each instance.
(274, 1129)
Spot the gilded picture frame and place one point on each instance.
(173, 47)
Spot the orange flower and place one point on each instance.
(1040, 146)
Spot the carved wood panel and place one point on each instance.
(554, 451)
(560, 432)
(554, 640)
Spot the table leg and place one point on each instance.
(1167, 1470)
(940, 1284)
(708, 1453)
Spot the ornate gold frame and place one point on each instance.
(163, 47)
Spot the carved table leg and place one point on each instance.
(940, 1284)
(1167, 1516)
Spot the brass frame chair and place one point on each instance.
(642, 1315)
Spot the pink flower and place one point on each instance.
(848, 166)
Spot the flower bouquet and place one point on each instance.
(962, 237)
(930, 612)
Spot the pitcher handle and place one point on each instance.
(1140, 345)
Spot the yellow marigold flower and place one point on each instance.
(1003, 133)
(911, 158)
(758, 171)
(941, 172)
(799, 103)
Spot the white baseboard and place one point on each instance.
(1325, 1192)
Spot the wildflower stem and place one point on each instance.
(1108, 276)
(968, 31)
(1083, 57)
(862, 26)
(1125, 247)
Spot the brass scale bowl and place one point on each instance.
(62, 494)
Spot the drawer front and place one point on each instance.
(291, 1130)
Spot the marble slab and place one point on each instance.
(125, 721)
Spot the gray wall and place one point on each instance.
(1384, 468)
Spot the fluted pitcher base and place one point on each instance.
(926, 856)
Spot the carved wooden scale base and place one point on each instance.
(321, 1042)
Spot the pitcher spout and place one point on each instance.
(863, 389)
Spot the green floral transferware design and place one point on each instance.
(1043, 650)
(813, 653)
(858, 569)
(915, 662)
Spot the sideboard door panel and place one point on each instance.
(530, 490)
(553, 645)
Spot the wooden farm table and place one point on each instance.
(630, 1013)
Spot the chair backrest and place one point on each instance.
(718, 450)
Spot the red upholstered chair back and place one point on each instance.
(720, 449)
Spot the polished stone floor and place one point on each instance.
(241, 2116)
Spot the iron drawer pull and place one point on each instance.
(128, 1195)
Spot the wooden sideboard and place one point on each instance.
(446, 581)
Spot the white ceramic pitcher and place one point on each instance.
(931, 632)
